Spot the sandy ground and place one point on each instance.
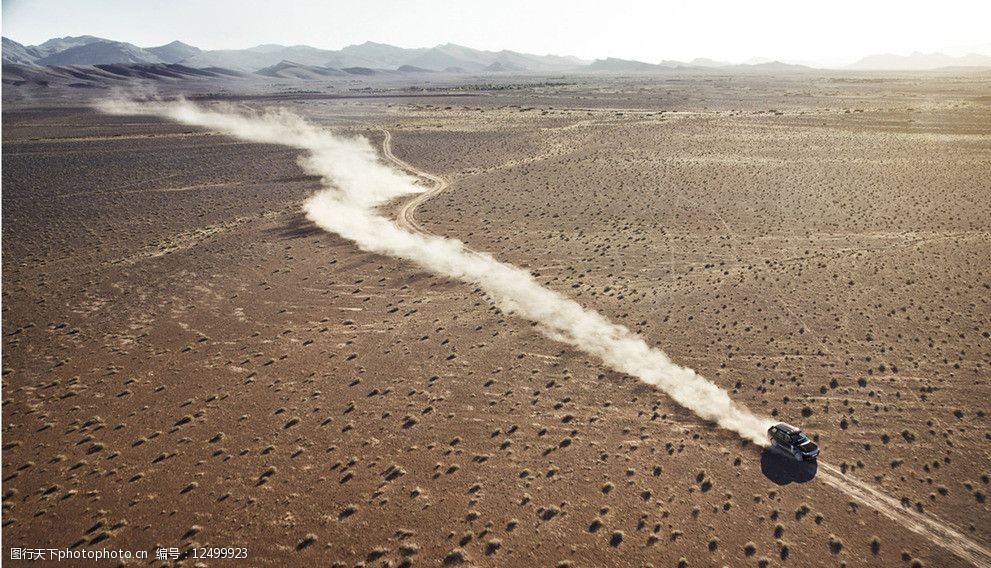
(188, 362)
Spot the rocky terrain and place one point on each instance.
(189, 362)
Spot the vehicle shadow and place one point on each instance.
(782, 469)
(298, 227)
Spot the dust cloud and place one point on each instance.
(356, 181)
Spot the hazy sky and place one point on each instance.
(834, 32)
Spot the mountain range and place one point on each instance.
(305, 62)
(451, 58)
(920, 61)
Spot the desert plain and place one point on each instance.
(188, 361)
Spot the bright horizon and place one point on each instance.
(645, 31)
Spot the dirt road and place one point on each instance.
(933, 528)
(406, 214)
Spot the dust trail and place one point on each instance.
(356, 181)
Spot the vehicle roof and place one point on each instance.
(787, 428)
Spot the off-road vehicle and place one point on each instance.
(793, 442)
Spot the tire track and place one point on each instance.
(938, 531)
(406, 213)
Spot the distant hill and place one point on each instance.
(220, 71)
(104, 76)
(360, 71)
(373, 55)
(100, 53)
(500, 67)
(515, 61)
(920, 61)
(413, 69)
(615, 65)
(706, 62)
(174, 52)
(452, 56)
(57, 44)
(292, 70)
(772, 66)
(260, 57)
(14, 52)
(564, 60)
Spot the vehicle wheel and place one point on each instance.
(798, 456)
